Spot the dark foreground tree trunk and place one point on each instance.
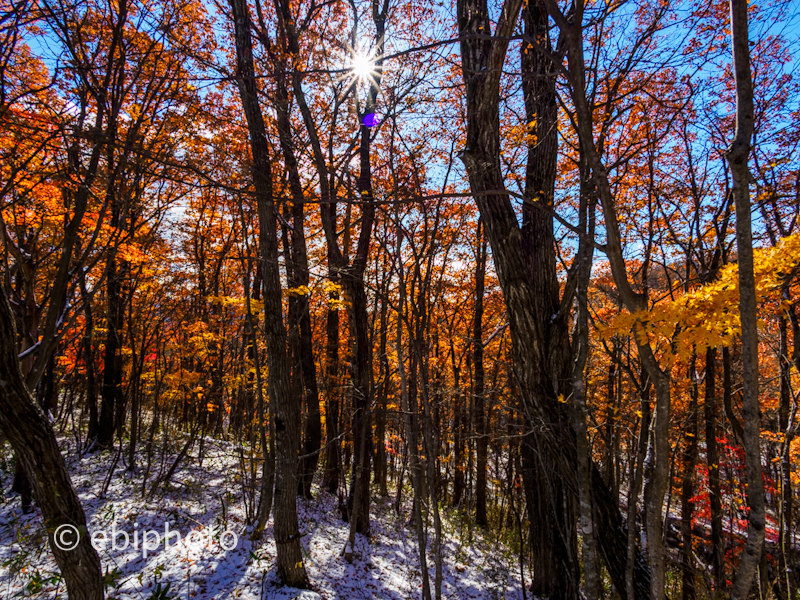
(291, 569)
(361, 367)
(552, 532)
(482, 61)
(299, 312)
(551, 508)
(737, 156)
(33, 440)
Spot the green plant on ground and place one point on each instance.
(37, 581)
(162, 593)
(111, 579)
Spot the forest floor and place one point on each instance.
(219, 560)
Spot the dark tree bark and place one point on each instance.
(32, 438)
(712, 457)
(786, 424)
(361, 423)
(47, 395)
(737, 156)
(459, 421)
(688, 586)
(384, 381)
(298, 266)
(111, 389)
(478, 399)
(287, 410)
(611, 393)
(350, 273)
(330, 480)
(727, 395)
(551, 508)
(88, 361)
(482, 58)
(135, 414)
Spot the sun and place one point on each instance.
(362, 67)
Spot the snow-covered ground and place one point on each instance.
(219, 560)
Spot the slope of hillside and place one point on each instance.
(204, 506)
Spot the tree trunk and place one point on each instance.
(298, 266)
(580, 413)
(688, 586)
(786, 424)
(47, 393)
(258, 414)
(637, 476)
(287, 410)
(727, 395)
(479, 404)
(737, 156)
(111, 390)
(333, 459)
(553, 523)
(411, 419)
(657, 480)
(419, 344)
(312, 425)
(112, 367)
(382, 400)
(459, 419)
(134, 435)
(88, 360)
(712, 458)
(361, 372)
(482, 60)
(32, 438)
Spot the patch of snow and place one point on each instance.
(209, 501)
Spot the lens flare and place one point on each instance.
(362, 67)
(370, 120)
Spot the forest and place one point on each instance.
(400, 299)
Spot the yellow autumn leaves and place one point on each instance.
(709, 315)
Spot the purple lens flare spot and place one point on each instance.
(370, 120)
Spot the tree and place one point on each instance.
(287, 411)
(737, 156)
(33, 440)
(482, 61)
